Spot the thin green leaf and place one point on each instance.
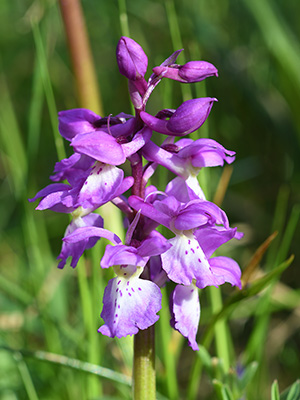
(26, 378)
(275, 391)
(292, 393)
(206, 360)
(223, 392)
(74, 364)
(248, 375)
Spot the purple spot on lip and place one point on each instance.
(117, 290)
(127, 283)
(199, 260)
(121, 294)
(186, 252)
(119, 282)
(118, 305)
(129, 294)
(193, 251)
(98, 172)
(132, 289)
(114, 322)
(139, 288)
(116, 315)
(85, 182)
(189, 242)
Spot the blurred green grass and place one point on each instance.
(254, 45)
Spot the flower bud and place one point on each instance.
(193, 71)
(186, 119)
(131, 59)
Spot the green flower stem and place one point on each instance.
(144, 365)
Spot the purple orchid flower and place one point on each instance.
(129, 303)
(147, 260)
(101, 184)
(193, 223)
(185, 158)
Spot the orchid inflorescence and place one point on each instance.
(147, 260)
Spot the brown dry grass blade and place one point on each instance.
(257, 256)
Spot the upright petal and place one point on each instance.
(76, 121)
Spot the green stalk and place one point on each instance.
(144, 387)
(81, 55)
(177, 42)
(220, 327)
(43, 65)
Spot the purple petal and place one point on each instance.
(129, 304)
(149, 211)
(186, 119)
(193, 71)
(181, 191)
(154, 245)
(154, 153)
(76, 249)
(225, 269)
(196, 71)
(206, 153)
(76, 121)
(73, 168)
(54, 197)
(125, 129)
(185, 190)
(131, 59)
(185, 309)
(90, 232)
(138, 141)
(172, 58)
(100, 186)
(190, 115)
(211, 238)
(199, 212)
(154, 123)
(122, 254)
(186, 261)
(101, 146)
(52, 188)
